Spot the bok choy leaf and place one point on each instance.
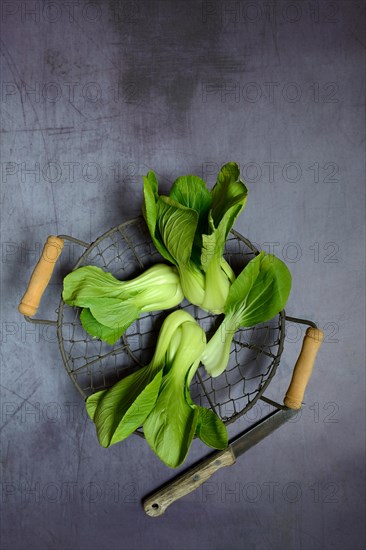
(190, 227)
(257, 295)
(120, 410)
(158, 398)
(111, 306)
(175, 419)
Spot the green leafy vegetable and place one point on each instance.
(97, 330)
(171, 425)
(157, 397)
(174, 419)
(111, 306)
(257, 295)
(190, 227)
(119, 411)
(210, 429)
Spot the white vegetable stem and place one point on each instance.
(215, 356)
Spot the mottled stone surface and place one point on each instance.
(93, 94)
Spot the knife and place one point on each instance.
(157, 503)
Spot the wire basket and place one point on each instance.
(93, 365)
(126, 251)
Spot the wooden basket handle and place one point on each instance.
(41, 276)
(304, 366)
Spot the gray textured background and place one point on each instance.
(93, 94)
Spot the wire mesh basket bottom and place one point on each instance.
(126, 251)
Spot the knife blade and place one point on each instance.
(260, 430)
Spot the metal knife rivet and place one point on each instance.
(196, 477)
(218, 462)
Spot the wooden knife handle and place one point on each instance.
(156, 504)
